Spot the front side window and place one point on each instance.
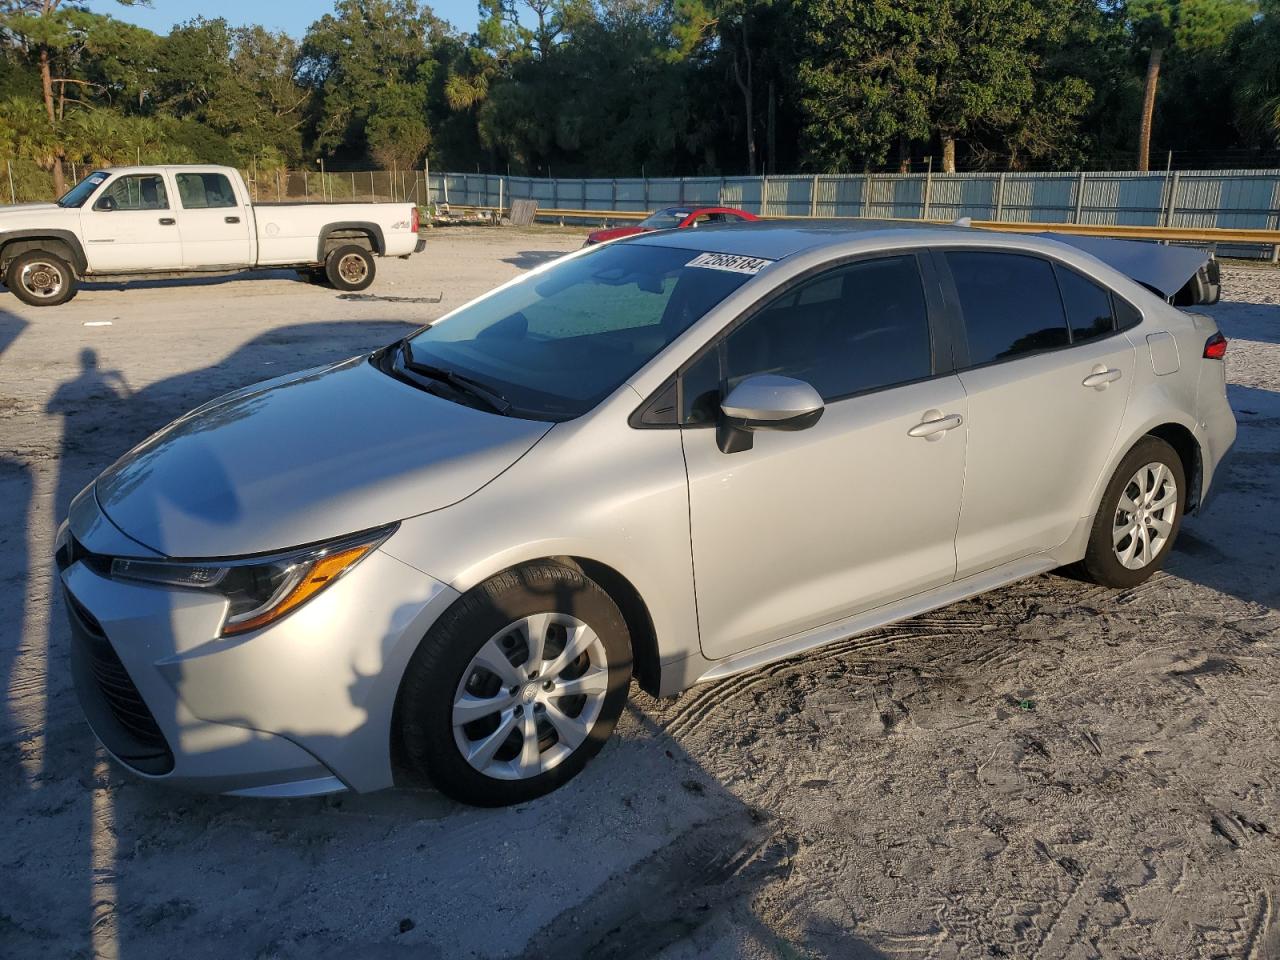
(558, 342)
(856, 328)
(143, 191)
(1010, 304)
(202, 191)
(1088, 306)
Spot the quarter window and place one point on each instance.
(201, 191)
(1088, 306)
(853, 329)
(134, 192)
(1010, 304)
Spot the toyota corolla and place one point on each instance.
(673, 458)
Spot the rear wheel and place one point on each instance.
(516, 687)
(40, 278)
(1140, 516)
(349, 268)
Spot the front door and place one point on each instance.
(214, 225)
(131, 226)
(1047, 390)
(811, 526)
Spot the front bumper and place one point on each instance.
(303, 706)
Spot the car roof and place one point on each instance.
(777, 239)
(1163, 269)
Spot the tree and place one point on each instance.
(1190, 26)
(1257, 58)
(879, 73)
(370, 56)
(55, 33)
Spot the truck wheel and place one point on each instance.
(349, 268)
(40, 278)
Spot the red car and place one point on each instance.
(674, 218)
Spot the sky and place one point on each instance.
(291, 16)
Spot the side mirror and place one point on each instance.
(765, 402)
(106, 204)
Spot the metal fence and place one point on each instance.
(1234, 199)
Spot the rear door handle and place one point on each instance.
(1100, 377)
(167, 221)
(230, 219)
(935, 424)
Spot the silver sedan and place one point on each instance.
(670, 458)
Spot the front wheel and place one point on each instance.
(349, 268)
(516, 687)
(1140, 516)
(40, 278)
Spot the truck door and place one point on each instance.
(214, 224)
(131, 227)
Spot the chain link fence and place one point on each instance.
(27, 182)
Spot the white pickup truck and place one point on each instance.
(134, 222)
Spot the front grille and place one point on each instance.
(112, 703)
(123, 698)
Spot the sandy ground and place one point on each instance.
(1053, 770)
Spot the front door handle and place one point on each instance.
(1100, 377)
(230, 219)
(935, 424)
(167, 221)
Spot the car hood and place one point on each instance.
(613, 233)
(304, 458)
(38, 215)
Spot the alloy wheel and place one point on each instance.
(530, 696)
(1144, 516)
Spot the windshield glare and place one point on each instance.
(667, 219)
(78, 194)
(558, 342)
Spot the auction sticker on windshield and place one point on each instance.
(732, 262)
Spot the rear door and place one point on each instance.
(1047, 375)
(131, 226)
(811, 526)
(213, 223)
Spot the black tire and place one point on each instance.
(41, 279)
(350, 268)
(424, 707)
(1100, 561)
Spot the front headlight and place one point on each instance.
(260, 590)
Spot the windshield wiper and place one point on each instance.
(459, 382)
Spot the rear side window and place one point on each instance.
(1127, 315)
(1010, 304)
(856, 328)
(1088, 306)
(200, 191)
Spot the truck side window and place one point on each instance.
(140, 191)
(201, 191)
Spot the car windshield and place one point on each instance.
(77, 195)
(666, 219)
(559, 341)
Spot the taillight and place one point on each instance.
(1215, 348)
(414, 222)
